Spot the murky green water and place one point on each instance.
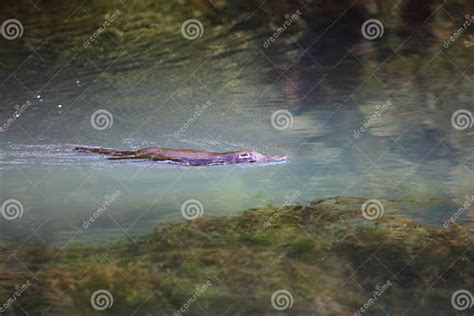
(151, 79)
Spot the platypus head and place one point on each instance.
(253, 156)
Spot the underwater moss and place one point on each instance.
(326, 254)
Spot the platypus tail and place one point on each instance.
(107, 151)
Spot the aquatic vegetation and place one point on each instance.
(325, 257)
(325, 254)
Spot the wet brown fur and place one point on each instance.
(188, 156)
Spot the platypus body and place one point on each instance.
(189, 157)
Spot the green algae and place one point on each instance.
(325, 253)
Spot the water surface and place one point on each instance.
(152, 81)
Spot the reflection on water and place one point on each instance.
(152, 80)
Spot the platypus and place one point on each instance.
(189, 157)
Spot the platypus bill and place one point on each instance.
(189, 157)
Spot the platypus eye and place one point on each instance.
(244, 155)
